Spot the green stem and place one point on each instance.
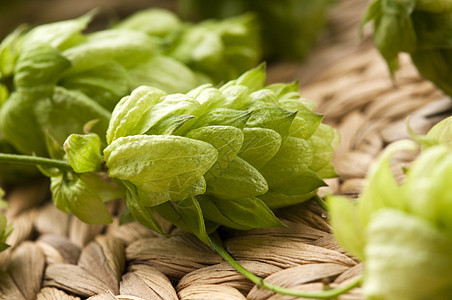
(327, 294)
(34, 160)
(321, 202)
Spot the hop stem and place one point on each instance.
(34, 160)
(327, 294)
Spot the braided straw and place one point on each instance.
(56, 256)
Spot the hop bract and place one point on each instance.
(225, 155)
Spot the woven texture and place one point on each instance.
(56, 256)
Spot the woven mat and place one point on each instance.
(56, 256)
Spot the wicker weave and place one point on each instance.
(55, 256)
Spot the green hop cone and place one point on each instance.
(402, 233)
(420, 28)
(218, 156)
(216, 49)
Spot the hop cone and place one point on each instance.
(218, 156)
(421, 28)
(5, 229)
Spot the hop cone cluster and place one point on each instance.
(225, 155)
(54, 78)
(422, 28)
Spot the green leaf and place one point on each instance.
(127, 47)
(83, 152)
(79, 196)
(346, 224)
(432, 30)
(238, 180)
(221, 49)
(373, 12)
(404, 252)
(167, 165)
(57, 34)
(5, 231)
(106, 83)
(393, 30)
(187, 215)
(253, 79)
(3, 203)
(39, 68)
(19, 125)
(4, 93)
(259, 146)
(59, 198)
(278, 119)
(9, 51)
(226, 139)
(130, 115)
(67, 112)
(242, 214)
(293, 159)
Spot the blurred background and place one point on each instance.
(288, 27)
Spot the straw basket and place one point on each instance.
(56, 256)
